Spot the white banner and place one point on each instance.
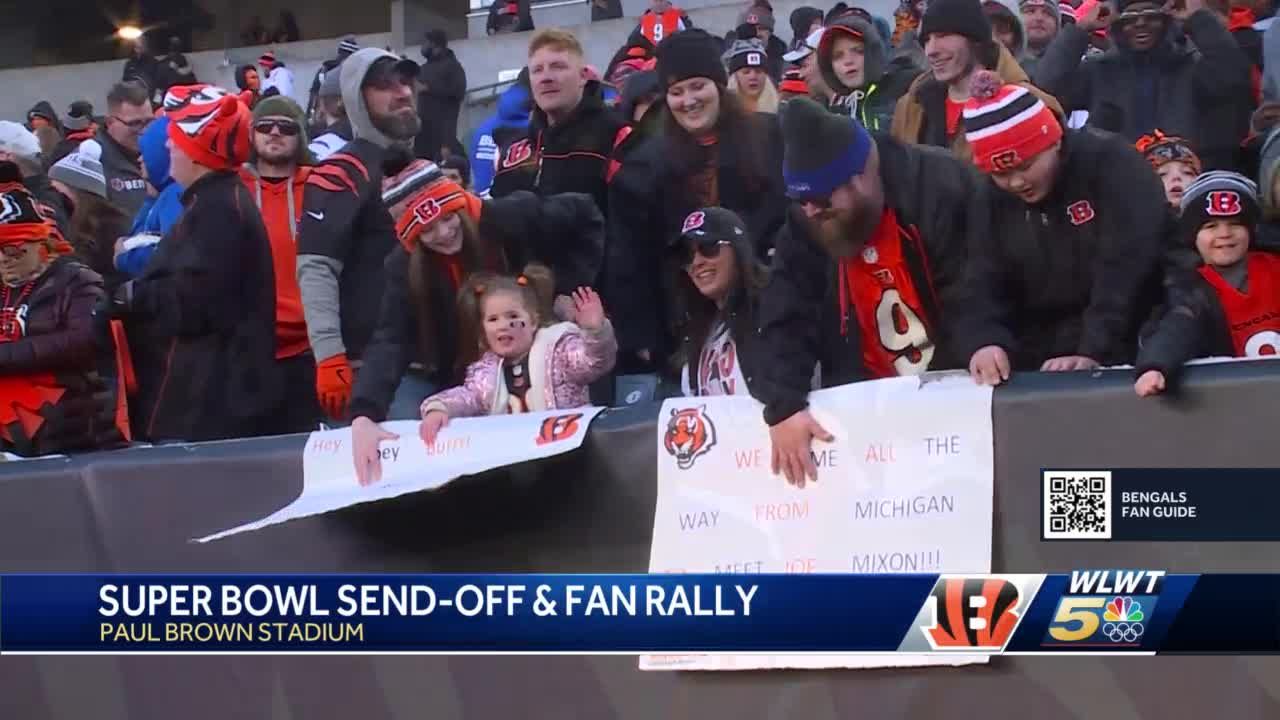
(906, 487)
(466, 446)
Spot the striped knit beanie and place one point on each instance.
(1006, 125)
(210, 125)
(1214, 195)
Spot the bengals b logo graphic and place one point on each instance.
(1080, 212)
(555, 429)
(519, 152)
(1224, 203)
(972, 614)
(1007, 160)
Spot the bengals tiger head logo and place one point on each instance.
(690, 435)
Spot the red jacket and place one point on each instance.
(275, 200)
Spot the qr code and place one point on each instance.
(1077, 504)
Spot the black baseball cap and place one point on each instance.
(712, 224)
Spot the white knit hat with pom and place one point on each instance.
(82, 169)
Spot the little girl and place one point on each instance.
(527, 365)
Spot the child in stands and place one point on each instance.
(527, 363)
(1230, 304)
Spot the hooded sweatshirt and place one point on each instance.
(157, 214)
(346, 230)
(515, 105)
(884, 82)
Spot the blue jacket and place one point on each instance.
(514, 106)
(160, 213)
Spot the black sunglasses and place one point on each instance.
(1153, 14)
(707, 247)
(287, 128)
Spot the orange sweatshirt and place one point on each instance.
(276, 198)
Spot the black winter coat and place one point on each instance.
(1202, 93)
(576, 155)
(202, 321)
(944, 199)
(63, 336)
(1193, 325)
(439, 103)
(1077, 273)
(650, 200)
(564, 232)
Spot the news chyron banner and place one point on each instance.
(465, 447)
(933, 617)
(905, 487)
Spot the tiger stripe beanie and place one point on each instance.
(209, 124)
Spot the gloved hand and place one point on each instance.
(333, 385)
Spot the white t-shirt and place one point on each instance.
(718, 372)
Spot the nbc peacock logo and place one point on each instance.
(1122, 620)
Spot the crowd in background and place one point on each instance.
(1053, 189)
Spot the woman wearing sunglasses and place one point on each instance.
(718, 284)
(54, 398)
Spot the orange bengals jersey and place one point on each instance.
(1253, 318)
(658, 26)
(895, 332)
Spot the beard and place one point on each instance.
(843, 233)
(398, 125)
(272, 156)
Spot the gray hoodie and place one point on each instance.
(354, 70)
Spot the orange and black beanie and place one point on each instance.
(210, 125)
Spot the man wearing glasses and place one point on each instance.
(866, 271)
(346, 230)
(276, 175)
(1151, 78)
(128, 114)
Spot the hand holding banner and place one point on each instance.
(465, 447)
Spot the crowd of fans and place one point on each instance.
(959, 186)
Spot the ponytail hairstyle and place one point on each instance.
(535, 286)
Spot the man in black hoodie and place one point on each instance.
(346, 230)
(443, 84)
(1153, 78)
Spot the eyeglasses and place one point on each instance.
(134, 125)
(1150, 14)
(704, 246)
(287, 128)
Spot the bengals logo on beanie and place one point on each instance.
(429, 205)
(209, 124)
(21, 218)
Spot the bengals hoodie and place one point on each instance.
(346, 230)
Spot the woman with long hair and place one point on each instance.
(717, 282)
(749, 77)
(96, 224)
(446, 235)
(710, 152)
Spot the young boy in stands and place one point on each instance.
(1174, 161)
(1230, 305)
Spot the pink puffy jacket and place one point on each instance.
(564, 361)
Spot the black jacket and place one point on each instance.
(564, 232)
(1193, 325)
(345, 235)
(1079, 272)
(874, 103)
(202, 321)
(64, 341)
(576, 155)
(125, 187)
(439, 104)
(928, 189)
(649, 202)
(1202, 93)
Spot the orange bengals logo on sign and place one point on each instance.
(558, 428)
(690, 435)
(972, 613)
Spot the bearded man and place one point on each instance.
(865, 271)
